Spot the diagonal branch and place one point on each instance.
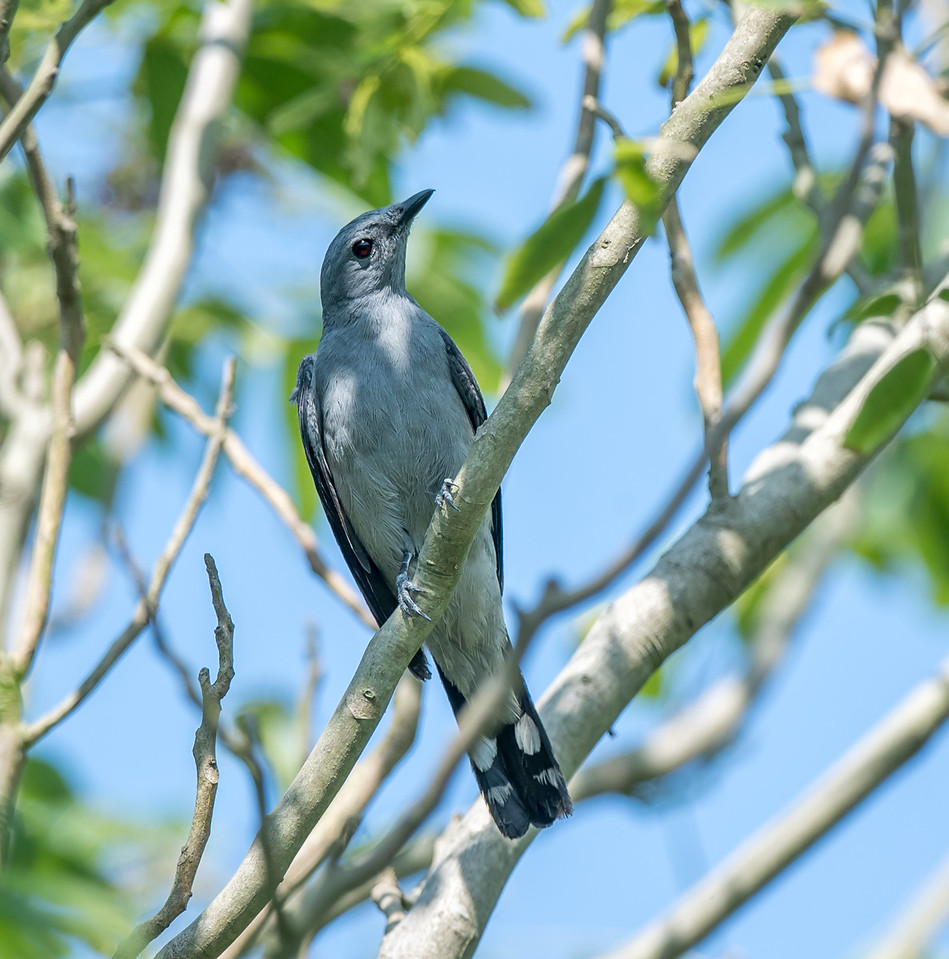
(185, 191)
(175, 398)
(787, 486)
(41, 86)
(871, 761)
(574, 170)
(713, 720)
(145, 610)
(205, 761)
(449, 536)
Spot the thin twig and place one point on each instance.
(571, 175)
(62, 240)
(896, 738)
(189, 172)
(336, 828)
(311, 682)
(340, 877)
(41, 86)
(176, 399)
(708, 362)
(205, 761)
(145, 610)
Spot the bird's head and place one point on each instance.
(368, 255)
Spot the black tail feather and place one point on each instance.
(516, 770)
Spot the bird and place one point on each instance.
(388, 408)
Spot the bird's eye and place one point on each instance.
(362, 248)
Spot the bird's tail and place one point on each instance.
(516, 770)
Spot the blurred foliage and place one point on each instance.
(59, 890)
(549, 246)
(906, 515)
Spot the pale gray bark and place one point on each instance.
(787, 486)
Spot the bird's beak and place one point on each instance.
(407, 210)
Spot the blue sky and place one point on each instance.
(623, 424)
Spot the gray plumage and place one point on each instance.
(388, 408)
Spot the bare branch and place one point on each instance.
(145, 610)
(855, 201)
(879, 754)
(336, 828)
(185, 190)
(914, 928)
(708, 362)
(571, 175)
(205, 761)
(387, 895)
(62, 238)
(712, 721)
(41, 86)
(175, 398)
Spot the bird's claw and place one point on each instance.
(404, 588)
(444, 496)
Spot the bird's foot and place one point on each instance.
(444, 496)
(404, 587)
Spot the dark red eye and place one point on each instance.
(362, 248)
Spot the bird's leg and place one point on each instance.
(444, 497)
(404, 588)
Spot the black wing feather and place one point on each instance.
(372, 584)
(470, 393)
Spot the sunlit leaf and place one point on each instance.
(640, 188)
(481, 85)
(621, 13)
(698, 33)
(891, 401)
(776, 290)
(549, 246)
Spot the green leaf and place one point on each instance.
(161, 79)
(746, 230)
(776, 290)
(885, 304)
(303, 488)
(93, 472)
(528, 8)
(640, 188)
(549, 245)
(482, 85)
(622, 12)
(891, 401)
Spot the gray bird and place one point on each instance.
(388, 409)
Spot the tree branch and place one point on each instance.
(571, 175)
(185, 191)
(205, 761)
(41, 86)
(175, 398)
(438, 568)
(8, 10)
(882, 751)
(145, 610)
(713, 720)
(787, 486)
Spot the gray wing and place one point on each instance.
(467, 386)
(372, 584)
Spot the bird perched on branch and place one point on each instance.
(388, 409)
